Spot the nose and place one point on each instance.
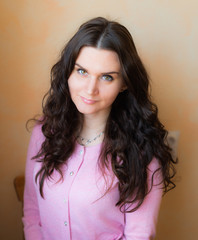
(92, 86)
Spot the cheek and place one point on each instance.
(72, 84)
(111, 95)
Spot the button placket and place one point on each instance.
(73, 173)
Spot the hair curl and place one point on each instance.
(133, 132)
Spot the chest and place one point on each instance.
(82, 186)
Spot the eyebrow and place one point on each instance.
(113, 72)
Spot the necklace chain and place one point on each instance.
(88, 141)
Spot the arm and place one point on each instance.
(141, 224)
(31, 218)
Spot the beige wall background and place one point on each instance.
(32, 33)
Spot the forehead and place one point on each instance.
(97, 59)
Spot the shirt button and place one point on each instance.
(81, 152)
(65, 223)
(71, 173)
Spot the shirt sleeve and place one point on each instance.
(31, 217)
(141, 224)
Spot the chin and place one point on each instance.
(86, 111)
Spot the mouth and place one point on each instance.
(88, 101)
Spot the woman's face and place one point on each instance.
(95, 81)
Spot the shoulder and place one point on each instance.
(37, 137)
(37, 131)
(35, 143)
(154, 171)
(154, 165)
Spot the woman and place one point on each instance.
(97, 161)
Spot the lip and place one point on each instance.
(87, 101)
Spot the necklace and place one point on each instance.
(88, 141)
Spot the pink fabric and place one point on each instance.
(74, 209)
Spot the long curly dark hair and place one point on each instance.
(133, 134)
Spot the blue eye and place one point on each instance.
(107, 78)
(82, 72)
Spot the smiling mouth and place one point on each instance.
(88, 101)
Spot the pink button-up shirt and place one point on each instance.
(75, 208)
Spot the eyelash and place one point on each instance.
(84, 73)
(80, 70)
(110, 78)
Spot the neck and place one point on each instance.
(92, 126)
